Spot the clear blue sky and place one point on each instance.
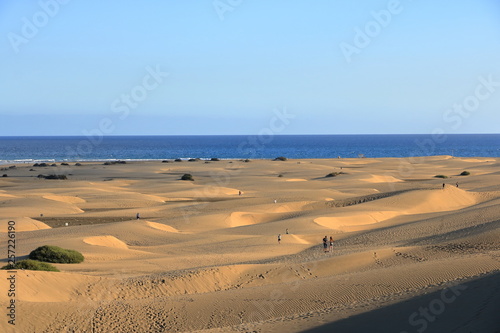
(67, 66)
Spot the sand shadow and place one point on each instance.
(468, 307)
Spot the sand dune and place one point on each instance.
(106, 241)
(64, 198)
(381, 179)
(203, 258)
(161, 226)
(24, 224)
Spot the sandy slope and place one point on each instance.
(204, 258)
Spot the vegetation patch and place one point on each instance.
(115, 162)
(335, 174)
(32, 265)
(187, 176)
(465, 173)
(61, 177)
(51, 253)
(441, 176)
(280, 158)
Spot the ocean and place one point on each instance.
(73, 148)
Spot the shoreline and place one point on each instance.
(209, 159)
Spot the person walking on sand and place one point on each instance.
(137, 216)
(443, 185)
(457, 184)
(325, 244)
(279, 238)
(331, 244)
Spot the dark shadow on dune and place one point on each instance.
(470, 307)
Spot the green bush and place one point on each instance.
(465, 173)
(187, 176)
(280, 158)
(50, 253)
(441, 176)
(32, 265)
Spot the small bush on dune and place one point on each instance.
(280, 158)
(187, 176)
(114, 162)
(4, 175)
(215, 159)
(32, 265)
(61, 177)
(334, 174)
(465, 173)
(441, 176)
(50, 253)
(177, 160)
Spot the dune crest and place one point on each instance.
(106, 241)
(160, 226)
(64, 198)
(25, 224)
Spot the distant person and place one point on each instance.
(279, 238)
(457, 184)
(331, 244)
(287, 231)
(137, 216)
(239, 192)
(325, 244)
(443, 185)
(275, 201)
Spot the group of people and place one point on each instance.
(327, 244)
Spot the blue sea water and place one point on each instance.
(29, 149)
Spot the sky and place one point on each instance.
(184, 67)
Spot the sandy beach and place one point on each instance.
(411, 252)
